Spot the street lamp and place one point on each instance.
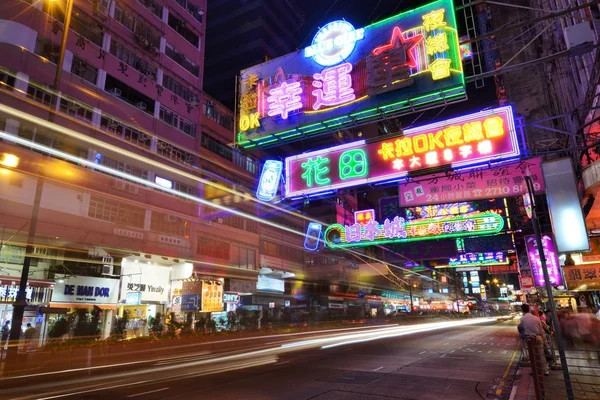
(21, 300)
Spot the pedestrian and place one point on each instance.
(531, 328)
(29, 334)
(4, 334)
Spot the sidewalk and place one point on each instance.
(584, 371)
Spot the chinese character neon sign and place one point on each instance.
(472, 139)
(479, 259)
(397, 230)
(341, 79)
(333, 43)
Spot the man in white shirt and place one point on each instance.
(531, 327)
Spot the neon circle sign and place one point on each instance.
(333, 43)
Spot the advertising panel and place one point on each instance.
(552, 262)
(478, 259)
(152, 281)
(212, 296)
(351, 76)
(85, 289)
(399, 231)
(583, 277)
(469, 140)
(475, 184)
(268, 284)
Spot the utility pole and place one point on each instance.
(21, 301)
(557, 332)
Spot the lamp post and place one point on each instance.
(548, 284)
(21, 301)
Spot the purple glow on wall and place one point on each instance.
(552, 261)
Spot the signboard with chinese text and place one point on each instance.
(268, 284)
(465, 141)
(152, 281)
(552, 261)
(350, 76)
(526, 282)
(398, 230)
(478, 259)
(212, 296)
(510, 268)
(475, 184)
(583, 277)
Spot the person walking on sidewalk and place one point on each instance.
(531, 327)
(4, 334)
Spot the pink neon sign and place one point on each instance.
(459, 142)
(334, 86)
(284, 98)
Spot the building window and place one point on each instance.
(129, 94)
(46, 48)
(182, 60)
(178, 88)
(180, 187)
(116, 212)
(126, 132)
(179, 25)
(172, 118)
(7, 81)
(84, 70)
(194, 11)
(169, 224)
(76, 110)
(132, 59)
(212, 247)
(217, 147)
(243, 257)
(87, 27)
(124, 167)
(174, 153)
(125, 17)
(153, 7)
(40, 95)
(284, 252)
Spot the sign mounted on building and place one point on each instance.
(87, 290)
(268, 284)
(526, 282)
(469, 140)
(474, 184)
(151, 281)
(583, 277)
(552, 262)
(346, 76)
(478, 259)
(399, 231)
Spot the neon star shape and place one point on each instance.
(398, 41)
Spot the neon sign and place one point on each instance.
(397, 230)
(460, 142)
(350, 76)
(269, 180)
(333, 43)
(313, 236)
(478, 259)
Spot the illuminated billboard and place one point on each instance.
(397, 230)
(350, 76)
(459, 142)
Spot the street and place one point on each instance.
(441, 360)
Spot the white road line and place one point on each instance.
(504, 351)
(442, 356)
(91, 390)
(489, 352)
(445, 344)
(151, 391)
(377, 369)
(452, 351)
(283, 362)
(458, 358)
(423, 352)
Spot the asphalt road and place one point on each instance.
(429, 361)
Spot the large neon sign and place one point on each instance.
(397, 230)
(353, 76)
(460, 142)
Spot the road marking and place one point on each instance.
(151, 391)
(442, 356)
(377, 369)
(423, 352)
(489, 352)
(351, 348)
(445, 344)
(504, 351)
(452, 351)
(458, 358)
(283, 362)
(91, 390)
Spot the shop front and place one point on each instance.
(145, 292)
(82, 306)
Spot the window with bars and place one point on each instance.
(76, 110)
(40, 95)
(126, 132)
(174, 153)
(172, 118)
(152, 7)
(194, 11)
(178, 88)
(116, 212)
(180, 187)
(132, 59)
(125, 17)
(169, 224)
(284, 252)
(178, 24)
(124, 167)
(212, 247)
(84, 70)
(7, 81)
(181, 59)
(243, 257)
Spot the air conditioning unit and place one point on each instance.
(210, 103)
(194, 101)
(119, 184)
(141, 105)
(579, 37)
(115, 91)
(133, 189)
(171, 218)
(220, 220)
(107, 270)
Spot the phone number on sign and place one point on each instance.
(483, 193)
